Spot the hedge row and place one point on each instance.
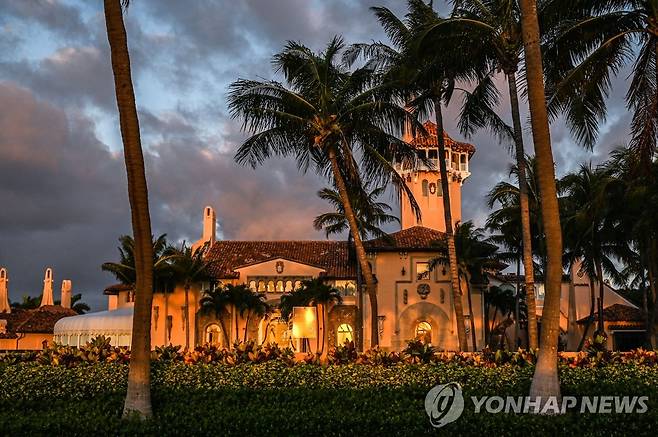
(306, 399)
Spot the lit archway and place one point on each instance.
(214, 335)
(424, 332)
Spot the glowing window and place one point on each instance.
(344, 334)
(270, 287)
(253, 286)
(279, 286)
(288, 286)
(298, 285)
(422, 270)
(261, 286)
(424, 332)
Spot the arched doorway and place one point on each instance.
(213, 335)
(424, 332)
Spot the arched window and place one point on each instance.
(279, 286)
(2, 273)
(424, 332)
(298, 285)
(344, 334)
(261, 286)
(425, 187)
(288, 286)
(214, 334)
(270, 287)
(252, 285)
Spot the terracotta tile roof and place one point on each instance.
(414, 238)
(116, 288)
(332, 256)
(431, 140)
(619, 313)
(39, 320)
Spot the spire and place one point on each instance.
(66, 293)
(4, 291)
(47, 295)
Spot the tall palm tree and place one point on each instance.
(545, 381)
(493, 29)
(426, 76)
(138, 397)
(328, 118)
(596, 39)
(588, 232)
(476, 257)
(190, 266)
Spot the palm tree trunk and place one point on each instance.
(517, 317)
(138, 397)
(246, 326)
(545, 381)
(450, 236)
(360, 250)
(528, 267)
(224, 330)
(470, 311)
(187, 316)
(651, 272)
(590, 319)
(599, 274)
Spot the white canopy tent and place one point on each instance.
(78, 330)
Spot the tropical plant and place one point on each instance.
(595, 41)
(476, 256)
(27, 302)
(313, 292)
(493, 29)
(341, 123)
(190, 266)
(138, 397)
(76, 304)
(426, 77)
(545, 382)
(589, 232)
(369, 212)
(217, 301)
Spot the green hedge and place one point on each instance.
(277, 399)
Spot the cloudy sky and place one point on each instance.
(63, 199)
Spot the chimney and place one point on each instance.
(47, 295)
(4, 291)
(209, 225)
(66, 293)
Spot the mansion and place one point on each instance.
(413, 301)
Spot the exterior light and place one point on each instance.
(304, 322)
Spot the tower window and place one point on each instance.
(425, 187)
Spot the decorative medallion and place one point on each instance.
(423, 291)
(432, 188)
(279, 267)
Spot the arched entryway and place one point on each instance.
(428, 322)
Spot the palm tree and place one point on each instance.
(545, 381)
(76, 304)
(242, 301)
(588, 232)
(370, 213)
(596, 40)
(493, 27)
(138, 397)
(426, 81)
(27, 302)
(313, 292)
(217, 301)
(476, 256)
(327, 117)
(190, 266)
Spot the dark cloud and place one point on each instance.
(62, 180)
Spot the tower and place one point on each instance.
(425, 181)
(47, 295)
(4, 291)
(209, 228)
(66, 293)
